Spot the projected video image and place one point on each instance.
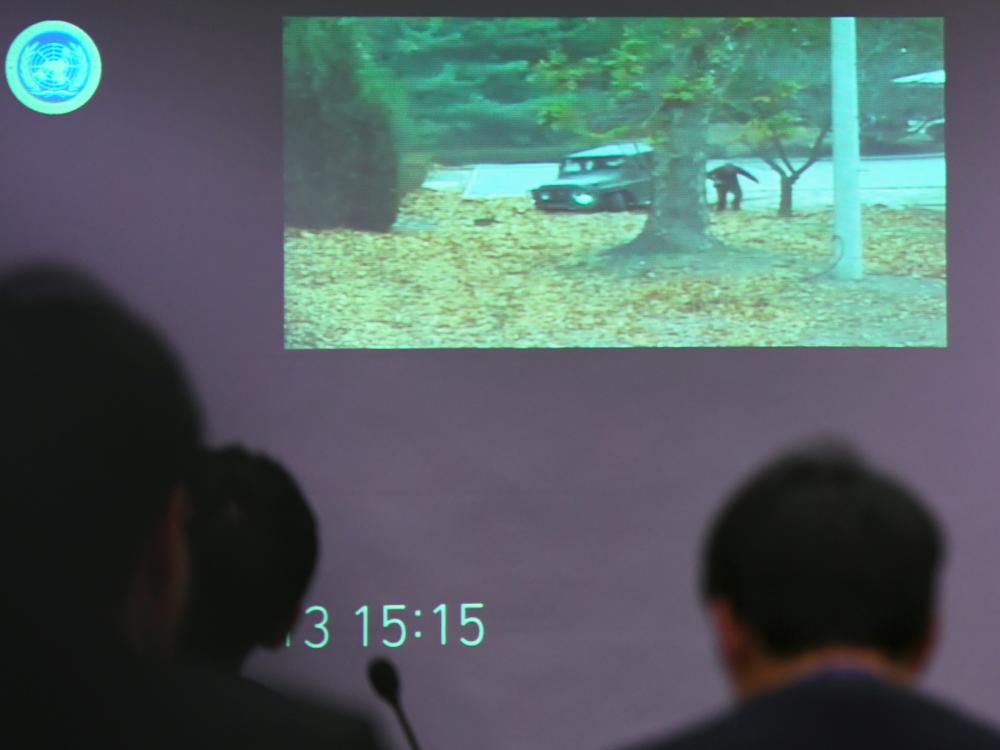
(614, 182)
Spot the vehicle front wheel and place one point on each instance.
(617, 202)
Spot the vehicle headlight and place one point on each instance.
(583, 198)
(544, 195)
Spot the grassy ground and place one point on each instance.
(499, 273)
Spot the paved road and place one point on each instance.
(893, 181)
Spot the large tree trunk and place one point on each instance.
(678, 216)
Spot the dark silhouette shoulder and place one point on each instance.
(840, 712)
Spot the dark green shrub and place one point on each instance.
(341, 165)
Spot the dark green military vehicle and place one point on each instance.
(615, 177)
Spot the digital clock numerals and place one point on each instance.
(397, 625)
(395, 633)
(320, 625)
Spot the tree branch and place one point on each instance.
(814, 151)
(780, 148)
(773, 164)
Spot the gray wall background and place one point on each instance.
(565, 489)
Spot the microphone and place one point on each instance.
(384, 679)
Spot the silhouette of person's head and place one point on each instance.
(99, 433)
(253, 550)
(820, 561)
(99, 426)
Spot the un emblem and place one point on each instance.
(53, 67)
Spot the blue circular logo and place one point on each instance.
(53, 67)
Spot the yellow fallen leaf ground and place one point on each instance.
(499, 273)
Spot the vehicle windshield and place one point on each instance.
(579, 166)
